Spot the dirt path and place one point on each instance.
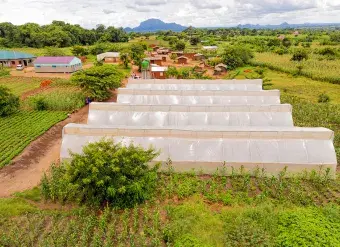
(27, 169)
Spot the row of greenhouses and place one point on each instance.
(206, 124)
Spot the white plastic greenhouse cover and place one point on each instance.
(167, 116)
(195, 81)
(206, 148)
(211, 87)
(194, 97)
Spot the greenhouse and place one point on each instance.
(204, 125)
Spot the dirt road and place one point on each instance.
(27, 169)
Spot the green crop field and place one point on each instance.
(324, 70)
(18, 130)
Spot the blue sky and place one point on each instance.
(186, 12)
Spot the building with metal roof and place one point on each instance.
(109, 57)
(14, 58)
(65, 64)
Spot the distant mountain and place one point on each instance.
(154, 25)
(287, 25)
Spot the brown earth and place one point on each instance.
(27, 169)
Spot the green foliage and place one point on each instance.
(79, 51)
(236, 56)
(13, 207)
(299, 55)
(9, 103)
(193, 224)
(335, 37)
(281, 50)
(99, 80)
(180, 45)
(195, 40)
(32, 194)
(105, 173)
(125, 58)
(137, 54)
(57, 100)
(324, 98)
(309, 227)
(4, 71)
(286, 42)
(54, 52)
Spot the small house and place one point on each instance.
(109, 57)
(163, 51)
(158, 72)
(198, 57)
(182, 60)
(177, 53)
(67, 64)
(163, 58)
(222, 66)
(154, 60)
(155, 48)
(14, 58)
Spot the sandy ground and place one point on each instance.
(27, 169)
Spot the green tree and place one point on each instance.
(299, 55)
(236, 56)
(99, 80)
(54, 51)
(335, 37)
(286, 42)
(106, 172)
(9, 103)
(180, 45)
(195, 40)
(137, 54)
(125, 58)
(79, 51)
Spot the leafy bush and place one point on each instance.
(4, 72)
(99, 80)
(9, 103)
(300, 55)
(106, 172)
(40, 104)
(79, 51)
(236, 56)
(309, 227)
(180, 46)
(53, 51)
(323, 98)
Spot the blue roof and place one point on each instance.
(9, 55)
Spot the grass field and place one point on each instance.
(18, 130)
(323, 70)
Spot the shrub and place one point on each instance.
(4, 72)
(180, 46)
(9, 103)
(99, 80)
(327, 52)
(236, 56)
(53, 51)
(106, 172)
(309, 227)
(40, 104)
(79, 51)
(299, 55)
(324, 98)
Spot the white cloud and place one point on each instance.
(199, 13)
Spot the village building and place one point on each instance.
(154, 60)
(177, 53)
(189, 55)
(182, 60)
(281, 37)
(158, 72)
(154, 54)
(67, 64)
(14, 58)
(198, 57)
(223, 67)
(210, 48)
(155, 48)
(109, 57)
(163, 51)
